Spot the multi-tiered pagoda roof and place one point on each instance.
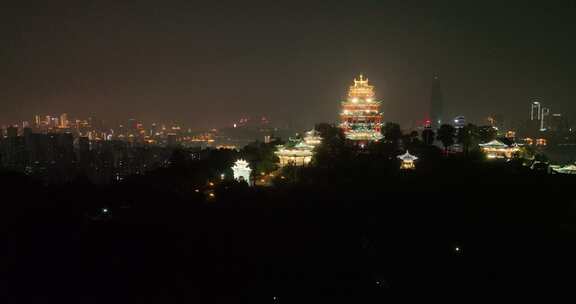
(361, 119)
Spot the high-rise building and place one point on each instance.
(132, 125)
(558, 123)
(37, 148)
(543, 119)
(436, 103)
(361, 118)
(459, 122)
(83, 154)
(171, 140)
(12, 132)
(61, 148)
(535, 110)
(64, 120)
(538, 116)
(54, 122)
(26, 131)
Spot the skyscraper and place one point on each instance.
(436, 103)
(538, 113)
(535, 110)
(37, 121)
(64, 120)
(12, 132)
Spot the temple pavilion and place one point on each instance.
(498, 149)
(360, 117)
(313, 138)
(242, 171)
(407, 161)
(569, 169)
(298, 151)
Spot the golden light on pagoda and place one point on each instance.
(299, 154)
(407, 161)
(541, 142)
(298, 151)
(360, 117)
(361, 89)
(496, 149)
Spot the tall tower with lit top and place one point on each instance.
(436, 103)
(361, 118)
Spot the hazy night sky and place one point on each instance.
(207, 64)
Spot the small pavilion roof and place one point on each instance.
(494, 143)
(312, 132)
(407, 157)
(569, 169)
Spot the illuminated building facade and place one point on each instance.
(511, 134)
(459, 122)
(539, 113)
(294, 153)
(569, 169)
(407, 161)
(498, 149)
(541, 142)
(313, 138)
(242, 171)
(360, 118)
(298, 151)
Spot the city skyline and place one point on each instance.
(541, 113)
(176, 63)
(275, 151)
(431, 109)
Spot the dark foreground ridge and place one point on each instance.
(360, 233)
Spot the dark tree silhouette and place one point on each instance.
(487, 133)
(334, 147)
(428, 136)
(410, 140)
(468, 137)
(446, 134)
(392, 133)
(261, 156)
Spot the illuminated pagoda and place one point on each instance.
(570, 169)
(242, 171)
(360, 118)
(313, 138)
(498, 149)
(295, 152)
(407, 161)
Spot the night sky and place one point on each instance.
(207, 64)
